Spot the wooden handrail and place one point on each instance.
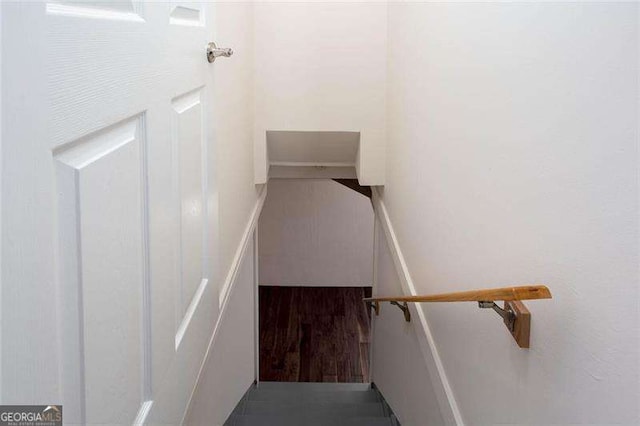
(515, 315)
(527, 292)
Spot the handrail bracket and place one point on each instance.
(516, 317)
(508, 316)
(404, 308)
(375, 305)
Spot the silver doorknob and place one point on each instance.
(214, 51)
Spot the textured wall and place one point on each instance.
(512, 159)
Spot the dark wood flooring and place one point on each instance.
(314, 334)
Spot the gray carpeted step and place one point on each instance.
(318, 409)
(308, 420)
(312, 404)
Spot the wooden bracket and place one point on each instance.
(516, 318)
(521, 324)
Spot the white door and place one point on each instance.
(108, 206)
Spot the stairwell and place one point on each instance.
(312, 404)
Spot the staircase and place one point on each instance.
(312, 404)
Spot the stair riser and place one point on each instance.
(306, 396)
(369, 409)
(313, 386)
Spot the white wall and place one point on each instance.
(228, 369)
(234, 115)
(320, 66)
(315, 233)
(513, 159)
(399, 368)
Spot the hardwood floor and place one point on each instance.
(314, 334)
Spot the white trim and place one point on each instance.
(256, 304)
(311, 164)
(227, 289)
(248, 232)
(310, 172)
(143, 413)
(374, 290)
(188, 315)
(446, 400)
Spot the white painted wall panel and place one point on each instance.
(321, 67)
(233, 115)
(398, 365)
(230, 364)
(312, 148)
(315, 233)
(513, 159)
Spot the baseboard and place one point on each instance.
(228, 286)
(446, 400)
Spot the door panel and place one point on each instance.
(187, 13)
(124, 10)
(112, 155)
(188, 140)
(101, 180)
